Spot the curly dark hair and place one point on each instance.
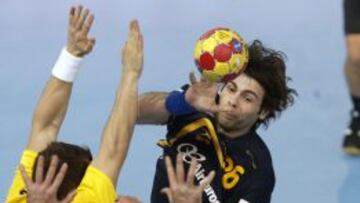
(268, 68)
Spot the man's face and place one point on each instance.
(243, 96)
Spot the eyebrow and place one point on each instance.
(234, 84)
(247, 91)
(252, 93)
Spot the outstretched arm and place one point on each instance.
(151, 108)
(156, 107)
(52, 106)
(119, 128)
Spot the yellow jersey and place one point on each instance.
(94, 187)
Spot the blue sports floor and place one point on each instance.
(305, 142)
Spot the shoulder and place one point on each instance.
(95, 184)
(261, 155)
(16, 191)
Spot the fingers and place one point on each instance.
(77, 13)
(135, 36)
(71, 15)
(90, 44)
(207, 180)
(179, 168)
(141, 42)
(81, 19)
(87, 25)
(132, 31)
(134, 28)
(167, 192)
(191, 173)
(80, 23)
(59, 177)
(132, 53)
(83, 16)
(39, 170)
(124, 49)
(170, 171)
(192, 78)
(51, 171)
(204, 79)
(140, 46)
(26, 178)
(69, 197)
(92, 41)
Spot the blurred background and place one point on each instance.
(305, 142)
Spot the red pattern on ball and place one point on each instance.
(223, 53)
(207, 62)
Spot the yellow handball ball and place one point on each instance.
(221, 54)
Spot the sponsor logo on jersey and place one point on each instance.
(190, 151)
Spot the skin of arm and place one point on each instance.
(53, 103)
(118, 131)
(151, 108)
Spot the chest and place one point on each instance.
(240, 164)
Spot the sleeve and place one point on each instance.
(17, 192)
(95, 187)
(176, 121)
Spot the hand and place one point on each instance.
(182, 189)
(201, 95)
(80, 21)
(132, 53)
(45, 191)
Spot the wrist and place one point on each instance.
(66, 66)
(130, 73)
(129, 77)
(73, 51)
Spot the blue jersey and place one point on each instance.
(243, 166)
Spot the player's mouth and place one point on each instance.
(229, 116)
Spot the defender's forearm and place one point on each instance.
(120, 126)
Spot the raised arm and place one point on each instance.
(119, 128)
(156, 107)
(52, 106)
